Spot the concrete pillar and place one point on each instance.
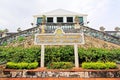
(35, 22)
(64, 19)
(76, 55)
(42, 55)
(54, 19)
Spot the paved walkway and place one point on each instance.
(59, 78)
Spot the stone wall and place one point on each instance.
(65, 74)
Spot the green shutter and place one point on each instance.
(39, 20)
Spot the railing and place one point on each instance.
(67, 27)
(25, 33)
(101, 35)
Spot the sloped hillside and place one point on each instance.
(89, 42)
(94, 42)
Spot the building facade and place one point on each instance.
(60, 16)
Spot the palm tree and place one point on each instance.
(102, 28)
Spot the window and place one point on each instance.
(59, 19)
(39, 20)
(81, 20)
(50, 19)
(69, 19)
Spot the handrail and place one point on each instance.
(87, 31)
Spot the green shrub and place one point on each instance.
(4, 44)
(32, 65)
(57, 54)
(11, 65)
(22, 65)
(21, 38)
(111, 65)
(98, 65)
(60, 65)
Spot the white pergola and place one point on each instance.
(59, 38)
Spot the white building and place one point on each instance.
(60, 16)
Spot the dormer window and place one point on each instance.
(60, 19)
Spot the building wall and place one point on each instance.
(64, 19)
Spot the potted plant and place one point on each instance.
(77, 26)
(76, 19)
(43, 19)
(43, 24)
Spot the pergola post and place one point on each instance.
(42, 55)
(76, 55)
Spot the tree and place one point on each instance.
(19, 29)
(1, 31)
(6, 30)
(102, 28)
(117, 29)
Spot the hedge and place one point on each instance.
(60, 65)
(99, 65)
(57, 54)
(22, 65)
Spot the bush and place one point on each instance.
(22, 65)
(111, 65)
(21, 38)
(32, 65)
(4, 44)
(19, 54)
(57, 54)
(60, 65)
(99, 65)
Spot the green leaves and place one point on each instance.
(19, 54)
(60, 65)
(98, 54)
(58, 54)
(99, 65)
(22, 65)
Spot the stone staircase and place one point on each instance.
(67, 27)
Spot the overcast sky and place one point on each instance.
(19, 13)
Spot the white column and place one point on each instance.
(42, 55)
(54, 19)
(85, 20)
(35, 22)
(76, 55)
(64, 19)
